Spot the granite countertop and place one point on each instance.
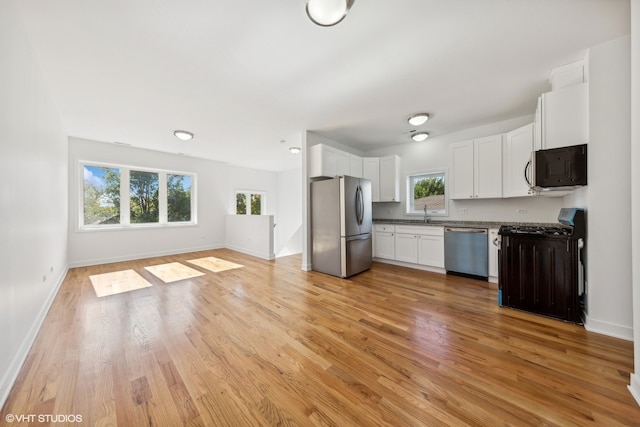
(465, 224)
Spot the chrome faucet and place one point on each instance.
(426, 217)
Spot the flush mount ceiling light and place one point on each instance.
(418, 119)
(295, 150)
(183, 135)
(420, 136)
(328, 12)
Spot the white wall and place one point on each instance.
(250, 234)
(33, 198)
(609, 307)
(96, 247)
(433, 155)
(289, 219)
(634, 387)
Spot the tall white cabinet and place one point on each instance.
(476, 168)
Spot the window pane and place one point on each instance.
(143, 206)
(256, 204)
(101, 195)
(178, 198)
(428, 190)
(241, 204)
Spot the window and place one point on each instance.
(101, 188)
(116, 196)
(256, 204)
(143, 197)
(427, 189)
(178, 198)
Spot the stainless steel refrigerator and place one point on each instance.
(341, 226)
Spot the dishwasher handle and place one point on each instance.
(466, 230)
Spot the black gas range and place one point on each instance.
(542, 267)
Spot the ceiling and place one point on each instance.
(248, 77)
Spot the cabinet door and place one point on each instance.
(390, 179)
(406, 247)
(323, 161)
(461, 170)
(431, 251)
(371, 171)
(517, 168)
(487, 170)
(384, 245)
(343, 163)
(565, 117)
(355, 167)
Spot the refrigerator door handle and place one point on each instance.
(359, 205)
(358, 237)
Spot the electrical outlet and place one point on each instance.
(51, 269)
(522, 211)
(462, 211)
(44, 278)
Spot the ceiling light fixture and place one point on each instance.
(327, 13)
(420, 136)
(418, 119)
(295, 150)
(183, 135)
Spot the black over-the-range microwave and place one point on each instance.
(561, 167)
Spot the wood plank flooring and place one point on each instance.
(269, 344)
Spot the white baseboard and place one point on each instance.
(13, 370)
(263, 255)
(132, 257)
(610, 329)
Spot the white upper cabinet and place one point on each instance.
(326, 161)
(390, 179)
(487, 163)
(355, 168)
(565, 116)
(476, 168)
(371, 171)
(517, 171)
(461, 170)
(384, 174)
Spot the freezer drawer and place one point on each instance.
(357, 254)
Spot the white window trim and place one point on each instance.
(248, 193)
(409, 199)
(125, 220)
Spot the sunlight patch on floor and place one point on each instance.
(117, 282)
(215, 264)
(172, 272)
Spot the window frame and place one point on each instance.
(248, 194)
(409, 179)
(125, 197)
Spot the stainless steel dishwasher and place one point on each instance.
(466, 251)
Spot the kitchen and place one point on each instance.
(609, 309)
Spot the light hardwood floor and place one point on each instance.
(268, 344)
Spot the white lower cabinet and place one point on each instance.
(431, 251)
(384, 241)
(406, 247)
(422, 245)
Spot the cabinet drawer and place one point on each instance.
(426, 230)
(384, 227)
